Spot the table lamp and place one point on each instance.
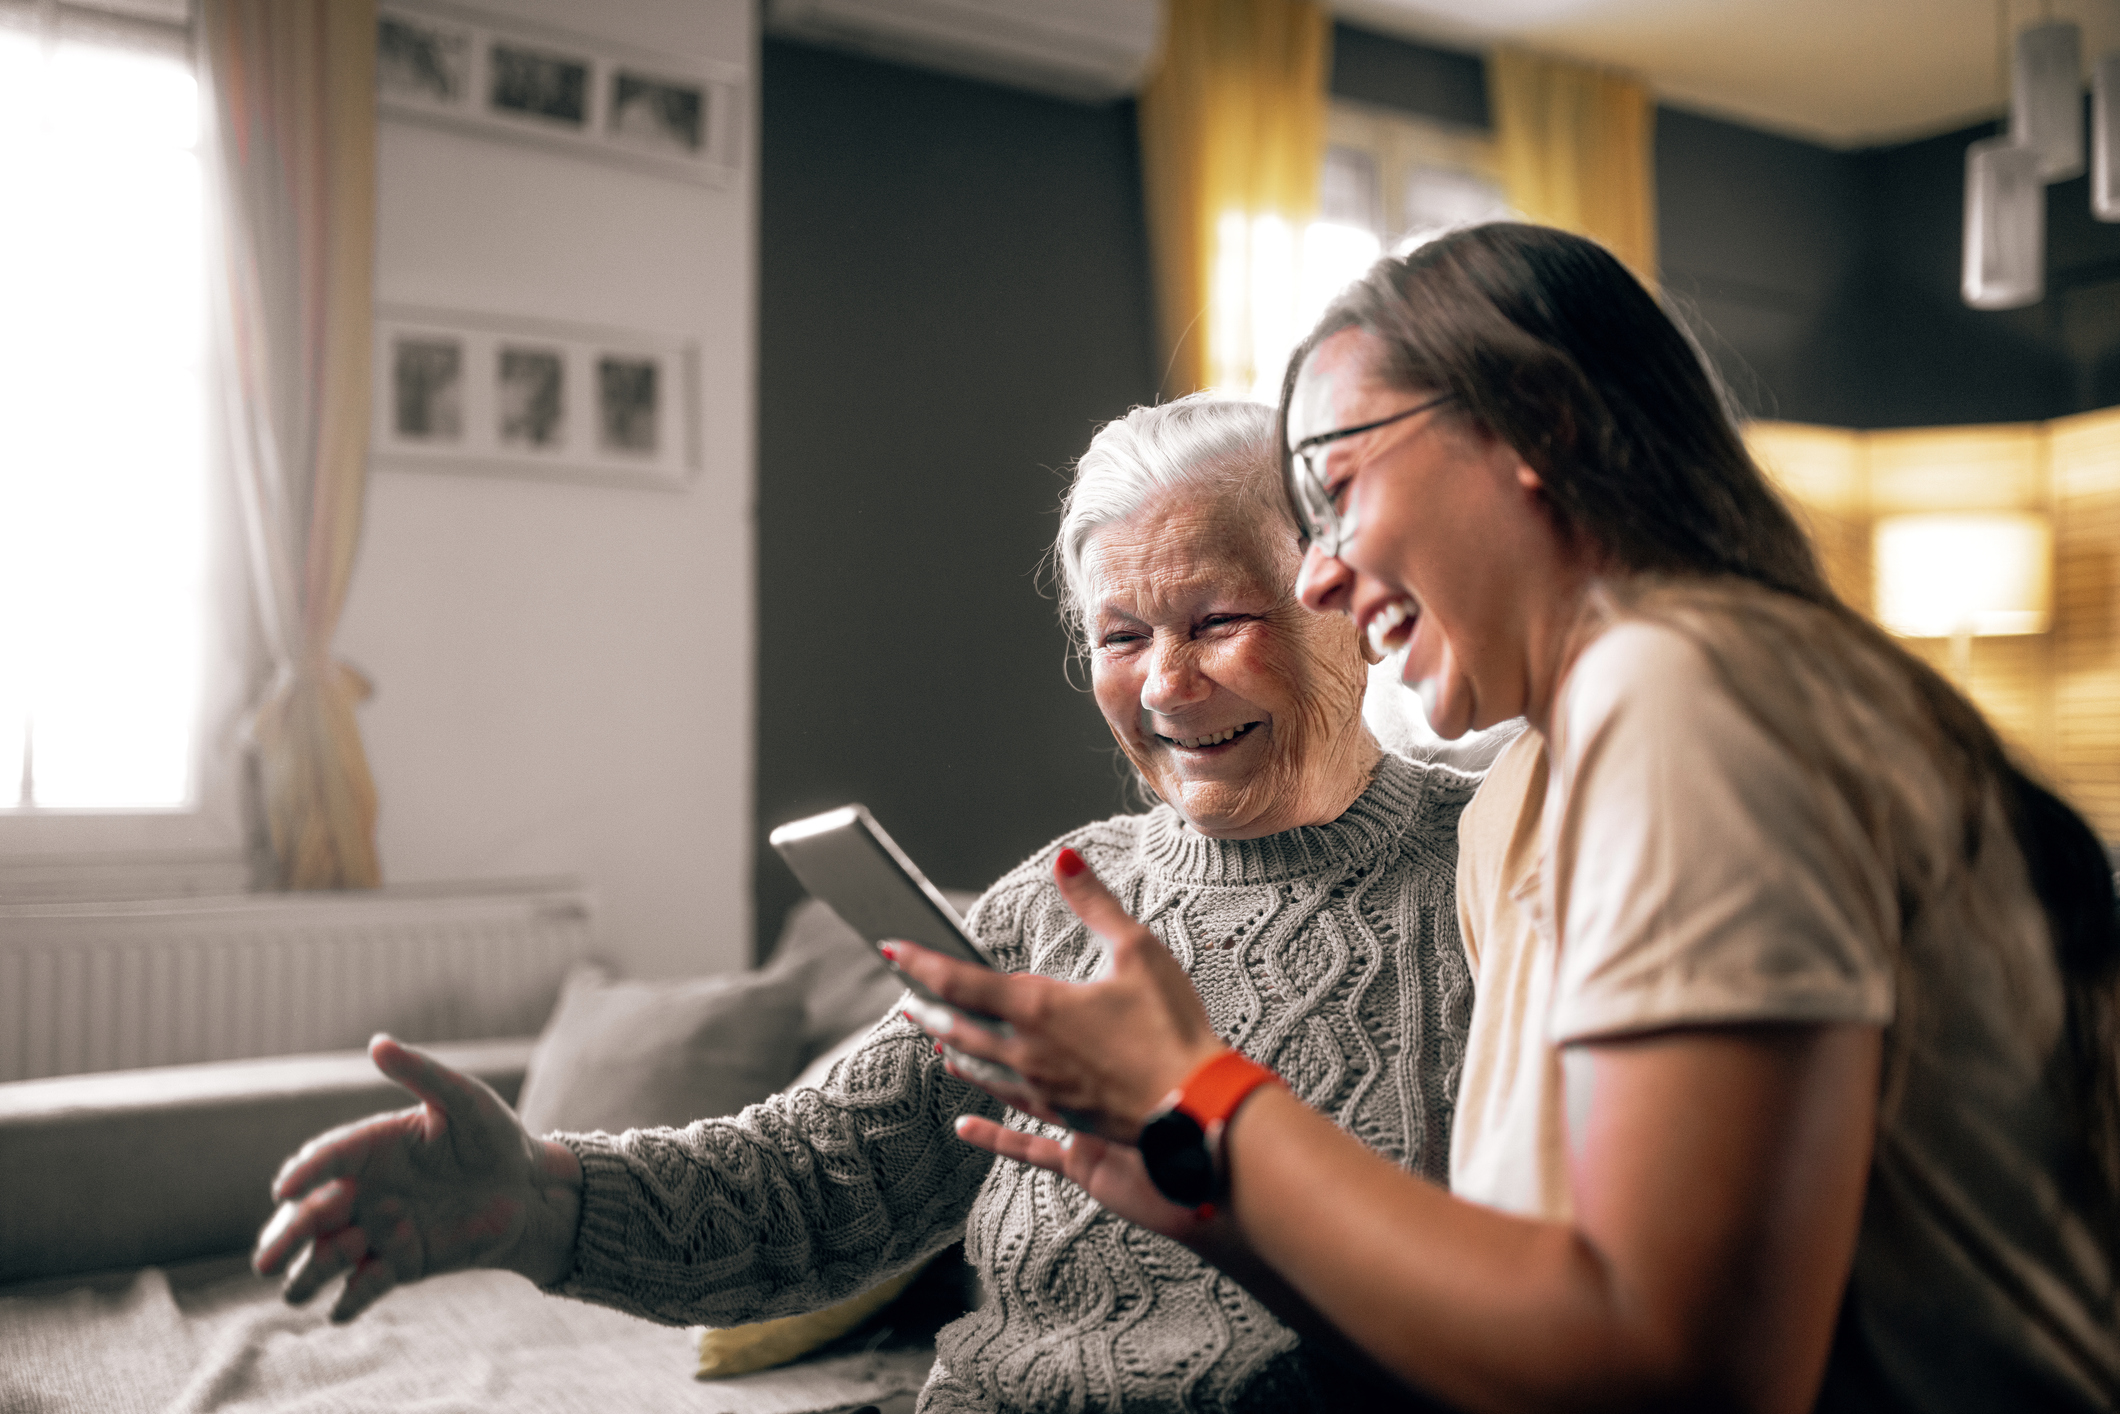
(1960, 575)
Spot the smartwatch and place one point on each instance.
(1181, 1143)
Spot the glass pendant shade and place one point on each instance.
(2105, 139)
(2005, 226)
(2046, 98)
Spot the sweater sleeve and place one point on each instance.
(800, 1201)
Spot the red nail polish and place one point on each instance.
(889, 950)
(1069, 864)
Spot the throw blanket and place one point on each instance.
(474, 1343)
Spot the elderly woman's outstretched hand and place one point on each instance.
(451, 1183)
(1096, 1055)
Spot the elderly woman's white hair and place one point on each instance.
(1207, 444)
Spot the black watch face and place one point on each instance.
(1174, 1151)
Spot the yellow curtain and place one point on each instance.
(1576, 150)
(291, 87)
(1232, 139)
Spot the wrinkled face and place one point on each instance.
(1241, 709)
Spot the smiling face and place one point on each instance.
(1453, 558)
(1241, 710)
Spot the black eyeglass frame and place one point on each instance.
(1323, 524)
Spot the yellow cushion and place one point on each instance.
(739, 1350)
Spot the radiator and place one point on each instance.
(86, 987)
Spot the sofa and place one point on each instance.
(128, 1201)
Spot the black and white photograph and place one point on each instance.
(538, 84)
(627, 403)
(422, 61)
(656, 114)
(532, 397)
(427, 389)
(480, 393)
(512, 80)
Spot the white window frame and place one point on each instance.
(1401, 144)
(201, 846)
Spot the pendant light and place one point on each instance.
(2005, 226)
(2006, 177)
(2046, 97)
(2105, 139)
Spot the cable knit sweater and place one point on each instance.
(1329, 952)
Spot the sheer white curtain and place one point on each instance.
(292, 169)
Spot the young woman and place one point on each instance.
(1792, 1078)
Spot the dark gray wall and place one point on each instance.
(1759, 242)
(953, 293)
(1931, 359)
(1826, 284)
(1447, 85)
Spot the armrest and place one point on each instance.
(132, 1167)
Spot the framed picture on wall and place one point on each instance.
(501, 77)
(423, 63)
(649, 113)
(536, 85)
(493, 395)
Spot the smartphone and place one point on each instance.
(845, 858)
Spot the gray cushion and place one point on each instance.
(634, 1054)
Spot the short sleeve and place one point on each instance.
(1701, 873)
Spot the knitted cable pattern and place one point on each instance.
(1329, 952)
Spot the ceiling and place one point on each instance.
(1847, 73)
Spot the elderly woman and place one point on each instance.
(1301, 876)
(1792, 1076)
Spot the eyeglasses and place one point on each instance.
(1323, 525)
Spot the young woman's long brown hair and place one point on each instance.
(1549, 343)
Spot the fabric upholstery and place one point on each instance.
(621, 1055)
(188, 1341)
(73, 1149)
(846, 987)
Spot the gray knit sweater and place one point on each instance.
(1328, 952)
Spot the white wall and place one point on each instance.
(564, 673)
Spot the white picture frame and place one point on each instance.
(495, 395)
(675, 115)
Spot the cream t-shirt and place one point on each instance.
(1671, 862)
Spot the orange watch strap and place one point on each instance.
(1217, 1086)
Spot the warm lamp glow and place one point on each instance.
(1942, 576)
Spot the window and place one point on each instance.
(1388, 180)
(1400, 178)
(109, 600)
